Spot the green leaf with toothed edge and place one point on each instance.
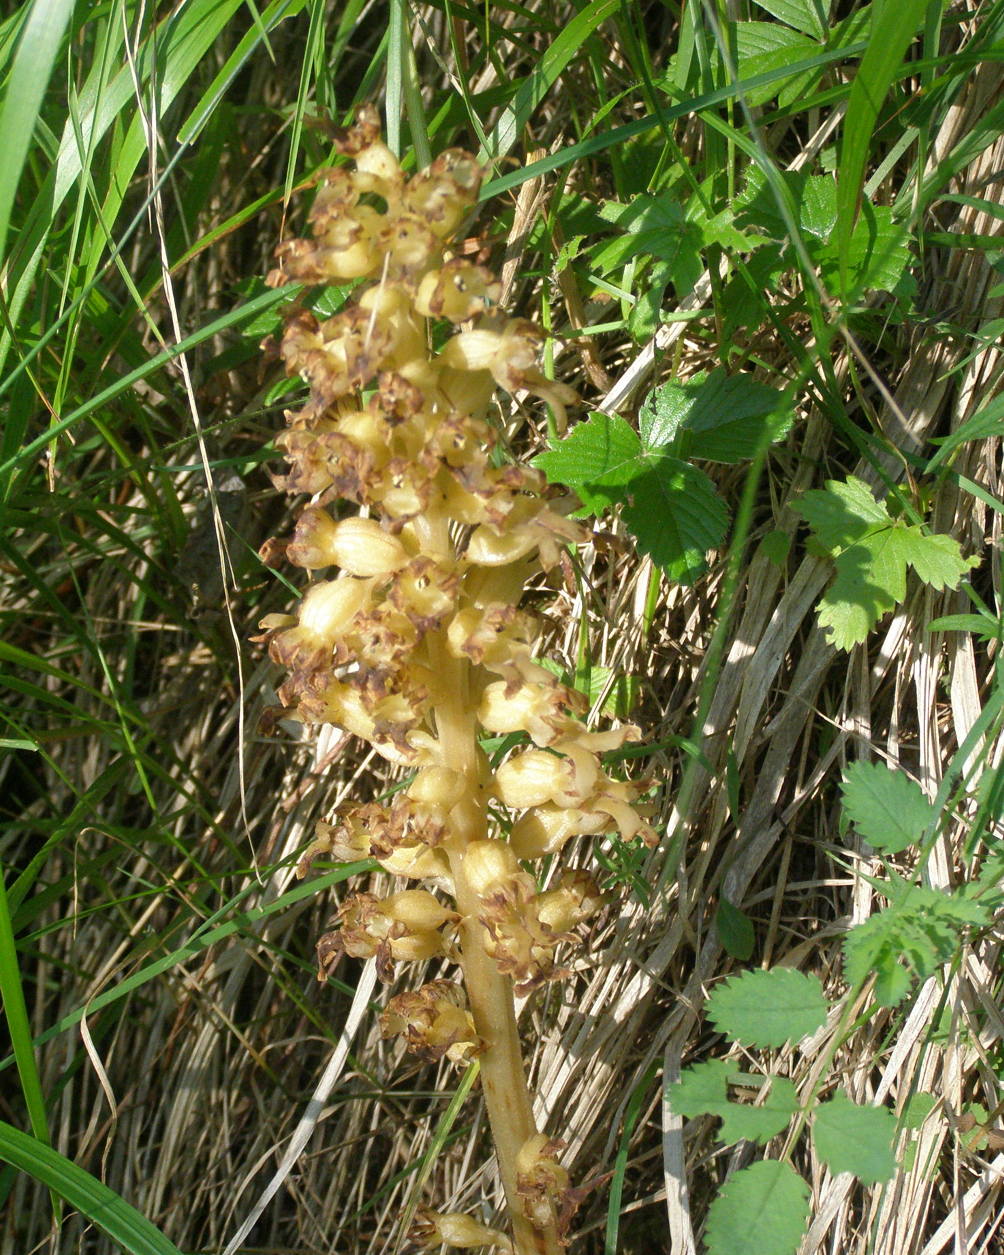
(703, 1090)
(762, 1208)
(768, 1008)
(886, 807)
(852, 1138)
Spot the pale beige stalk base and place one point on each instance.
(489, 994)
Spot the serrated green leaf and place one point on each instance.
(703, 1090)
(735, 930)
(916, 933)
(852, 1138)
(596, 460)
(648, 224)
(868, 584)
(841, 513)
(918, 1107)
(803, 15)
(743, 1122)
(716, 417)
(871, 551)
(763, 46)
(817, 206)
(873, 948)
(768, 1008)
(764, 1207)
(937, 559)
(878, 254)
(888, 808)
(676, 516)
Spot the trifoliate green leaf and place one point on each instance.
(888, 809)
(841, 513)
(763, 1209)
(871, 551)
(851, 1138)
(703, 1090)
(768, 1008)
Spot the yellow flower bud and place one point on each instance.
(490, 548)
(432, 1230)
(488, 865)
(362, 547)
(537, 777)
(417, 909)
(437, 786)
(329, 607)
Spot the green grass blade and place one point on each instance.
(36, 54)
(108, 1210)
(535, 87)
(894, 24)
(619, 135)
(16, 1011)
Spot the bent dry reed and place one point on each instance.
(418, 645)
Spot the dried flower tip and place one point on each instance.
(445, 191)
(453, 1228)
(344, 842)
(434, 1021)
(459, 290)
(545, 1193)
(401, 927)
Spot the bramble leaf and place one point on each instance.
(676, 516)
(768, 1008)
(597, 459)
(715, 416)
(853, 1138)
(703, 1090)
(917, 932)
(888, 809)
(763, 1207)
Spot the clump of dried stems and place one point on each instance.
(419, 645)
